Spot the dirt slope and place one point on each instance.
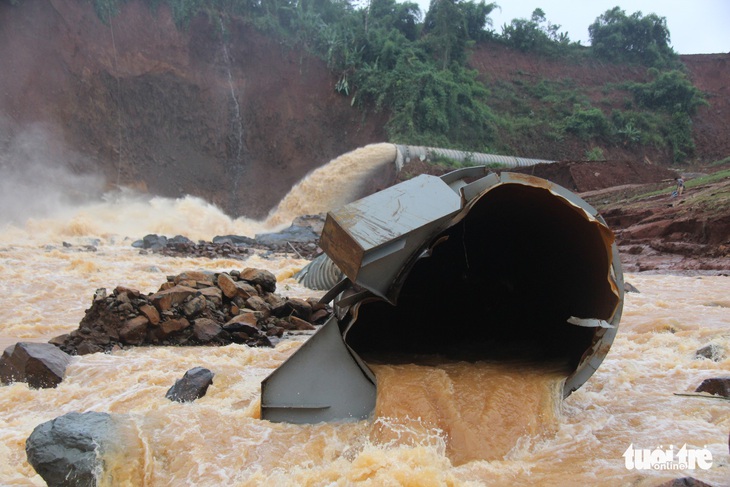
(174, 112)
(658, 232)
(236, 117)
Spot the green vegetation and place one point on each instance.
(709, 179)
(387, 56)
(619, 38)
(595, 154)
(536, 35)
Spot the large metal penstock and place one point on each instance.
(469, 266)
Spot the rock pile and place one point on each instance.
(193, 308)
(301, 238)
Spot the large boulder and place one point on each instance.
(192, 386)
(67, 451)
(87, 449)
(40, 365)
(260, 277)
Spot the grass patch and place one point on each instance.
(692, 183)
(710, 178)
(721, 162)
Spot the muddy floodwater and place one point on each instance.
(447, 424)
(436, 423)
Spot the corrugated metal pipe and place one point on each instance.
(408, 153)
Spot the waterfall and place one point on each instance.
(235, 108)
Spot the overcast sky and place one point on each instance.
(696, 27)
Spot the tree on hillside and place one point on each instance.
(451, 26)
(617, 37)
(404, 17)
(670, 91)
(535, 35)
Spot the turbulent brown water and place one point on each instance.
(333, 184)
(480, 409)
(435, 424)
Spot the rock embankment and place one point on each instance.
(301, 238)
(193, 308)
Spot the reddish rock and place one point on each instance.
(316, 305)
(299, 324)
(232, 288)
(126, 290)
(166, 299)
(212, 294)
(275, 331)
(194, 306)
(247, 318)
(246, 290)
(151, 313)
(134, 331)
(206, 330)
(194, 276)
(227, 285)
(171, 326)
(320, 316)
(88, 347)
(260, 277)
(275, 300)
(188, 283)
(167, 285)
(258, 304)
(293, 307)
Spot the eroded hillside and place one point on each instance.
(222, 111)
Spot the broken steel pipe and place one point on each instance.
(471, 266)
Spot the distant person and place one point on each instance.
(680, 187)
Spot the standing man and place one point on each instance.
(680, 186)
